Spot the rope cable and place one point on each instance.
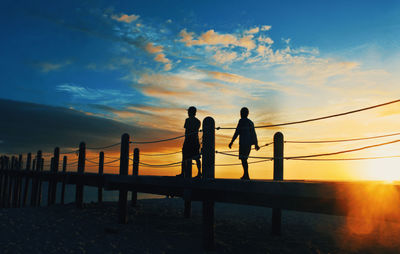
(318, 118)
(339, 140)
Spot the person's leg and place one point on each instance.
(245, 169)
(182, 164)
(198, 162)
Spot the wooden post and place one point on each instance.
(208, 165)
(123, 171)
(135, 172)
(64, 169)
(40, 182)
(34, 180)
(18, 186)
(101, 171)
(5, 182)
(278, 176)
(28, 168)
(81, 170)
(11, 182)
(53, 182)
(1, 177)
(50, 182)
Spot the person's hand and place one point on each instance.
(257, 148)
(230, 145)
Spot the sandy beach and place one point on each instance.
(158, 226)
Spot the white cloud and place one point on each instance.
(48, 67)
(253, 30)
(265, 28)
(224, 57)
(267, 40)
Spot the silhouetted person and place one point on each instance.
(191, 145)
(247, 137)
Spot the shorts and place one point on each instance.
(244, 151)
(191, 150)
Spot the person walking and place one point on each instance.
(247, 137)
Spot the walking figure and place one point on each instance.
(247, 137)
(191, 145)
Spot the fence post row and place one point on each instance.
(208, 164)
(123, 171)
(278, 176)
(135, 172)
(79, 180)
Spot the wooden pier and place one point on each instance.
(306, 196)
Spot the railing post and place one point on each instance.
(50, 182)
(208, 165)
(64, 170)
(81, 170)
(11, 182)
(5, 181)
(278, 176)
(18, 187)
(101, 171)
(27, 169)
(35, 178)
(56, 162)
(123, 171)
(135, 172)
(40, 182)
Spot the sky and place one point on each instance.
(89, 71)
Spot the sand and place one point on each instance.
(158, 226)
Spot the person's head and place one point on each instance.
(244, 112)
(192, 111)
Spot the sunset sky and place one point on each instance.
(91, 70)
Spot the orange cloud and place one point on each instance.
(125, 18)
(153, 49)
(213, 38)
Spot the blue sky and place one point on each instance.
(142, 63)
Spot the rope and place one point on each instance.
(351, 159)
(159, 154)
(341, 140)
(164, 140)
(103, 147)
(236, 151)
(160, 165)
(318, 118)
(239, 164)
(340, 152)
(252, 157)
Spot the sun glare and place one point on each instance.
(387, 169)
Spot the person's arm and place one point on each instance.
(255, 141)
(234, 136)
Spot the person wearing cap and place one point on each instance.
(191, 145)
(247, 137)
